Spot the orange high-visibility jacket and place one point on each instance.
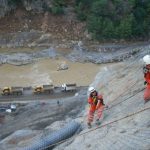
(147, 79)
(93, 101)
(147, 75)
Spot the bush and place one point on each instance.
(14, 2)
(59, 2)
(115, 19)
(125, 28)
(80, 14)
(57, 10)
(58, 6)
(83, 9)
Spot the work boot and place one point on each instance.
(145, 102)
(89, 125)
(98, 122)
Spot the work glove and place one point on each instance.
(145, 70)
(91, 104)
(102, 101)
(145, 82)
(106, 106)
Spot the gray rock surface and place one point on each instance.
(80, 52)
(26, 58)
(106, 53)
(38, 118)
(122, 87)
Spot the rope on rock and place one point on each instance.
(111, 122)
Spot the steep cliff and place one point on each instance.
(126, 123)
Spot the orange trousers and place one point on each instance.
(147, 93)
(93, 110)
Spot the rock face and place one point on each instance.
(122, 87)
(38, 119)
(62, 66)
(80, 53)
(28, 15)
(26, 58)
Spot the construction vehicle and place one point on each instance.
(12, 91)
(6, 91)
(69, 87)
(16, 90)
(38, 89)
(44, 89)
(48, 88)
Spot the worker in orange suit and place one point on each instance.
(96, 103)
(146, 71)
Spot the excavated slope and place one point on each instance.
(122, 87)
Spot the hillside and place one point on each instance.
(122, 86)
(125, 125)
(31, 16)
(78, 19)
(97, 43)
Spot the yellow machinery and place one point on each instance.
(6, 91)
(12, 91)
(38, 89)
(44, 89)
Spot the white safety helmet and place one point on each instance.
(91, 89)
(146, 59)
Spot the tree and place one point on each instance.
(124, 30)
(83, 8)
(103, 8)
(58, 6)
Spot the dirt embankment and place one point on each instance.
(65, 26)
(55, 35)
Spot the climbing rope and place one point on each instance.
(127, 116)
(114, 121)
(104, 125)
(125, 99)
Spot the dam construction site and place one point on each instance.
(53, 116)
(74, 75)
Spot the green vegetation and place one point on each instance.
(14, 2)
(58, 6)
(115, 19)
(107, 19)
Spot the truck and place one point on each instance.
(48, 88)
(12, 91)
(38, 90)
(69, 87)
(6, 91)
(16, 90)
(44, 89)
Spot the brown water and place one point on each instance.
(44, 71)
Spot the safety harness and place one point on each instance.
(146, 69)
